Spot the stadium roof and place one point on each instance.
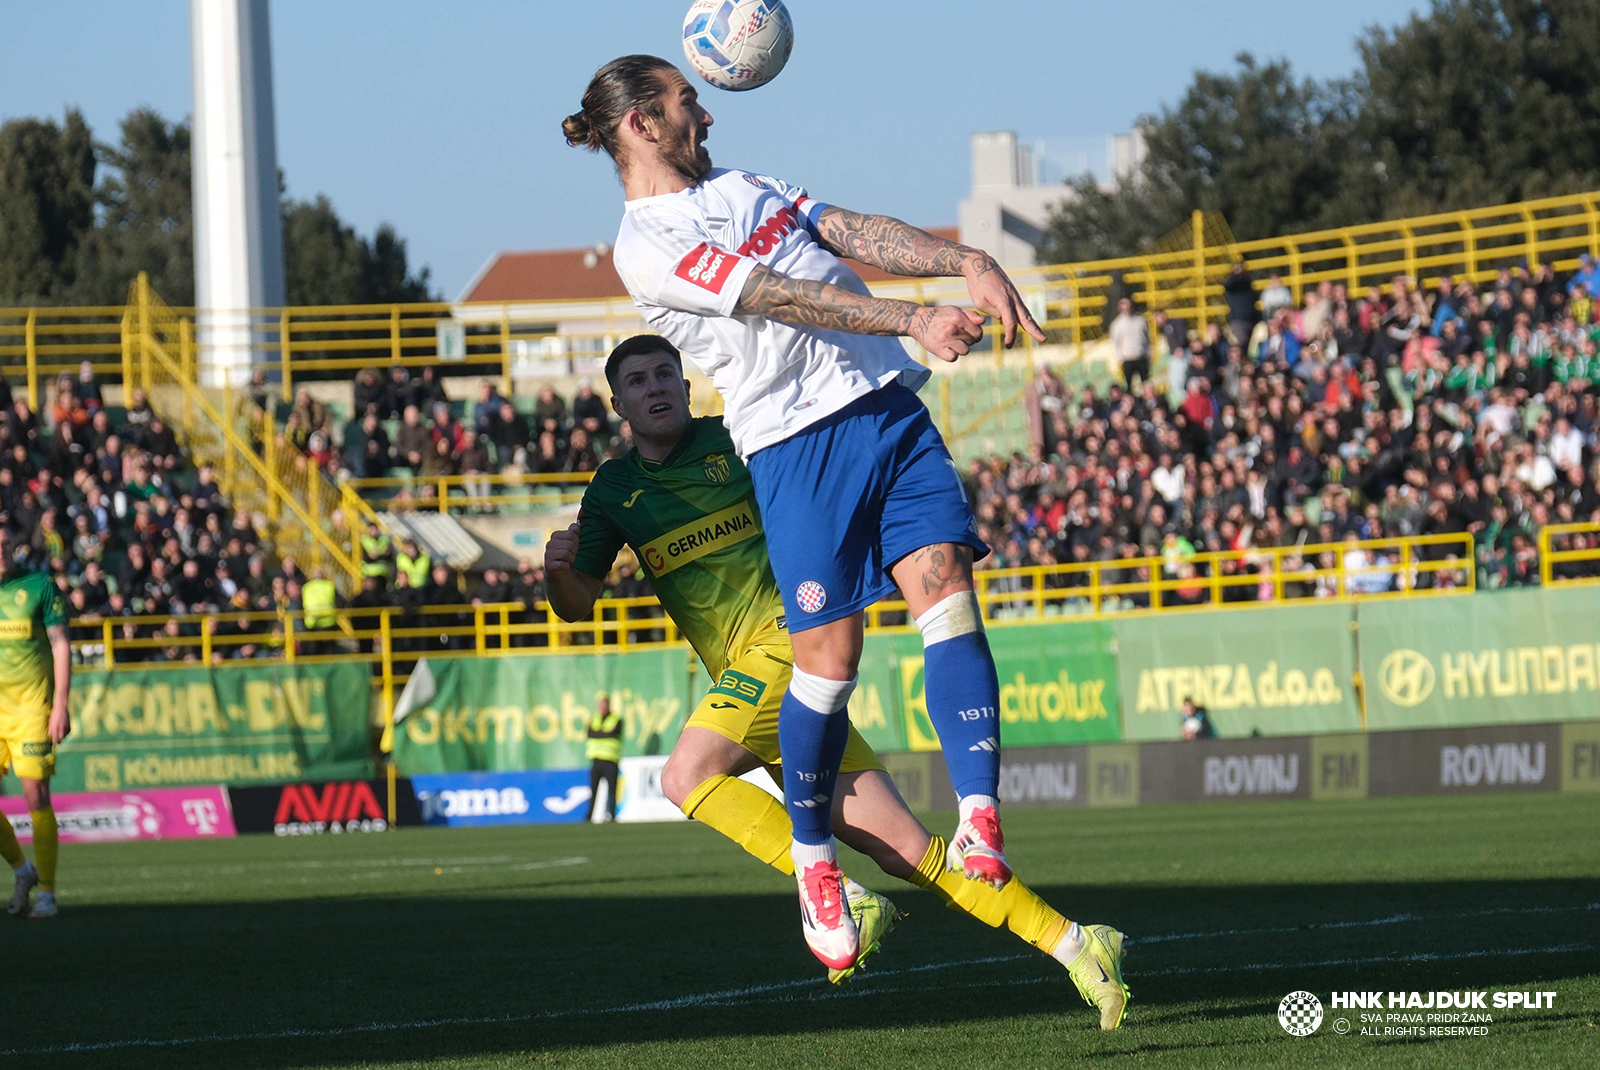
(579, 274)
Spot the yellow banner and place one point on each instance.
(693, 541)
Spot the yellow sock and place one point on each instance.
(746, 815)
(45, 846)
(1015, 906)
(10, 849)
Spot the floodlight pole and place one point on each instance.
(238, 224)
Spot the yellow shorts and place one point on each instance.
(25, 744)
(743, 706)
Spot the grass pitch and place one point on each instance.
(665, 946)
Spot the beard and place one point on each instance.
(684, 156)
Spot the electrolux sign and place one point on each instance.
(530, 797)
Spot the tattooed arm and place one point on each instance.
(895, 246)
(902, 249)
(945, 331)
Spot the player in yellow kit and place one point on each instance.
(35, 675)
(686, 505)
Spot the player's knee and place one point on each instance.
(37, 794)
(951, 617)
(821, 693)
(679, 779)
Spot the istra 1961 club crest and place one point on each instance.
(717, 467)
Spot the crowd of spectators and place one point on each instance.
(1392, 414)
(1295, 427)
(407, 422)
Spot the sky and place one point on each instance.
(443, 118)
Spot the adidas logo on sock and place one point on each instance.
(991, 744)
(815, 800)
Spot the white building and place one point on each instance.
(1008, 209)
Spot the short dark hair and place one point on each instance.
(638, 345)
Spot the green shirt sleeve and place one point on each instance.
(52, 607)
(599, 539)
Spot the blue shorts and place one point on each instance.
(852, 494)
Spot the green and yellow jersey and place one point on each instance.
(692, 521)
(29, 603)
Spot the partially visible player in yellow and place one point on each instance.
(35, 676)
(686, 505)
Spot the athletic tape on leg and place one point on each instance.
(820, 693)
(952, 616)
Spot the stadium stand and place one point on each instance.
(1314, 424)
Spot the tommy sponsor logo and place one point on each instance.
(811, 596)
(694, 540)
(765, 238)
(707, 267)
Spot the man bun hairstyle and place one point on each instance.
(636, 346)
(621, 86)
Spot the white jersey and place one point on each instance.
(685, 257)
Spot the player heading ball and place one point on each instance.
(858, 494)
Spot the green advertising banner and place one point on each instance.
(1058, 685)
(234, 724)
(532, 712)
(1281, 672)
(1501, 658)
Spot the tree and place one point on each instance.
(64, 240)
(146, 215)
(327, 263)
(46, 206)
(1478, 102)
(1482, 102)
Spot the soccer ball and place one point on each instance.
(737, 44)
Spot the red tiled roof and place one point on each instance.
(570, 275)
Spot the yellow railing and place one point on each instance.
(449, 493)
(1575, 545)
(158, 357)
(1429, 565)
(1184, 278)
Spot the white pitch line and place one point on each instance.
(98, 891)
(773, 993)
(1418, 956)
(1394, 919)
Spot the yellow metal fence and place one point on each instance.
(1425, 566)
(1569, 553)
(1183, 275)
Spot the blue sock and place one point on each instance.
(812, 744)
(963, 696)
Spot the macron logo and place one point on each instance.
(707, 267)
